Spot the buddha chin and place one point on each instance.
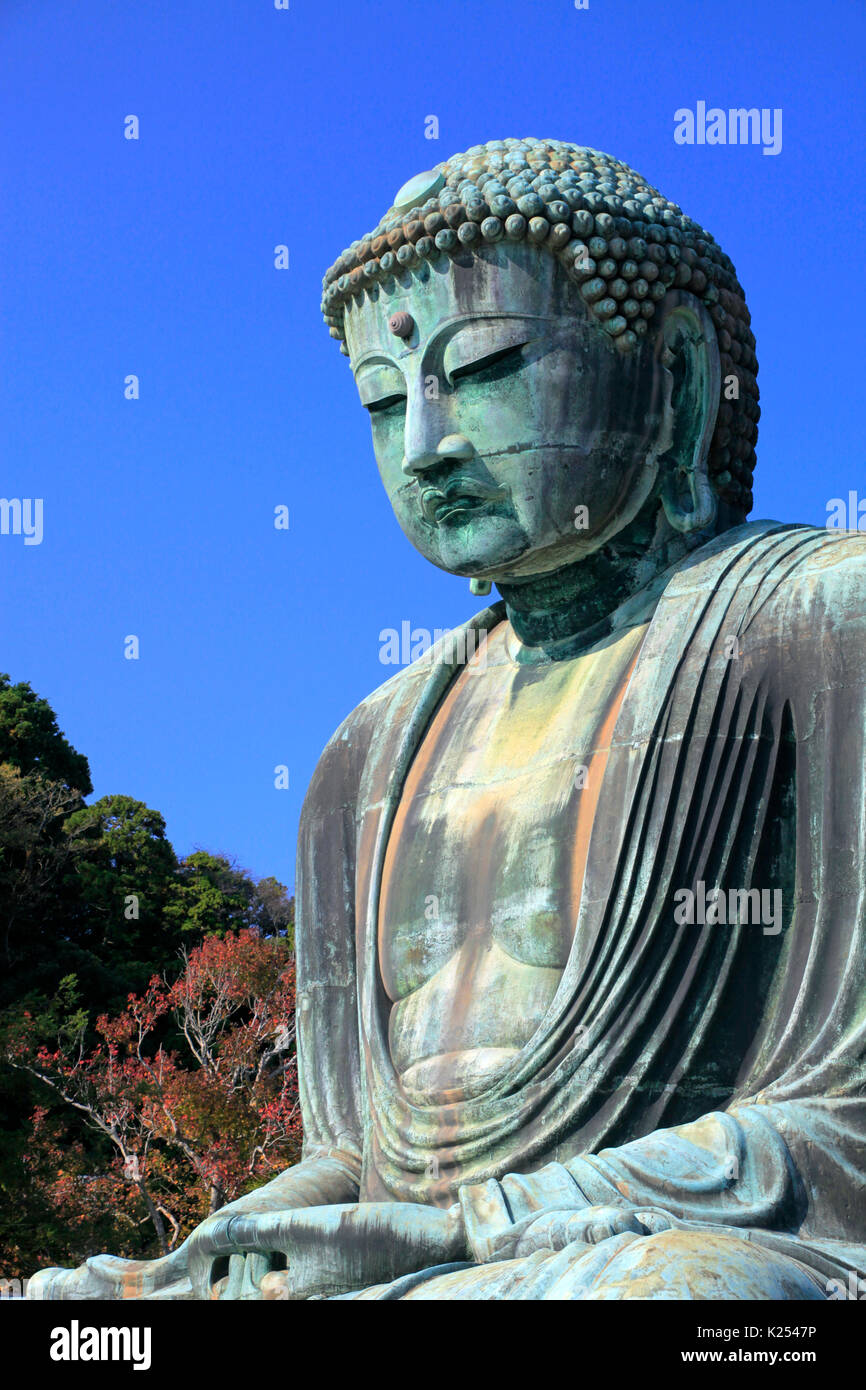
(469, 544)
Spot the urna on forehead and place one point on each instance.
(502, 279)
(616, 237)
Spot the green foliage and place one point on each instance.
(213, 895)
(126, 883)
(31, 741)
(38, 857)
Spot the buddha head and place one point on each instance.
(553, 356)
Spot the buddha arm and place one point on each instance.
(731, 1168)
(317, 1181)
(321, 1180)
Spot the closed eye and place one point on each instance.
(385, 403)
(491, 367)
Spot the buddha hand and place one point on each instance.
(554, 1230)
(323, 1250)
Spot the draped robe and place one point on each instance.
(710, 1076)
(714, 1072)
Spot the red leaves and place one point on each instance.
(194, 1084)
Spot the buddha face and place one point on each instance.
(511, 435)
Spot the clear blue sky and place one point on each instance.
(155, 257)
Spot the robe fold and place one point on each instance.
(711, 1070)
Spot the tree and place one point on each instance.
(42, 782)
(188, 1128)
(126, 883)
(31, 741)
(214, 895)
(275, 910)
(37, 853)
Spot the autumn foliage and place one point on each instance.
(191, 1091)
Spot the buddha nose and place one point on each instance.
(422, 457)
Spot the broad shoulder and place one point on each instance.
(801, 593)
(378, 722)
(816, 583)
(780, 567)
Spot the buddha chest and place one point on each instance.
(485, 861)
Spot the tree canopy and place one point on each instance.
(31, 741)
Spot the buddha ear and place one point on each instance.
(688, 354)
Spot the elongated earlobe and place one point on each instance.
(701, 513)
(689, 355)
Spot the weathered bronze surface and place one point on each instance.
(581, 963)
